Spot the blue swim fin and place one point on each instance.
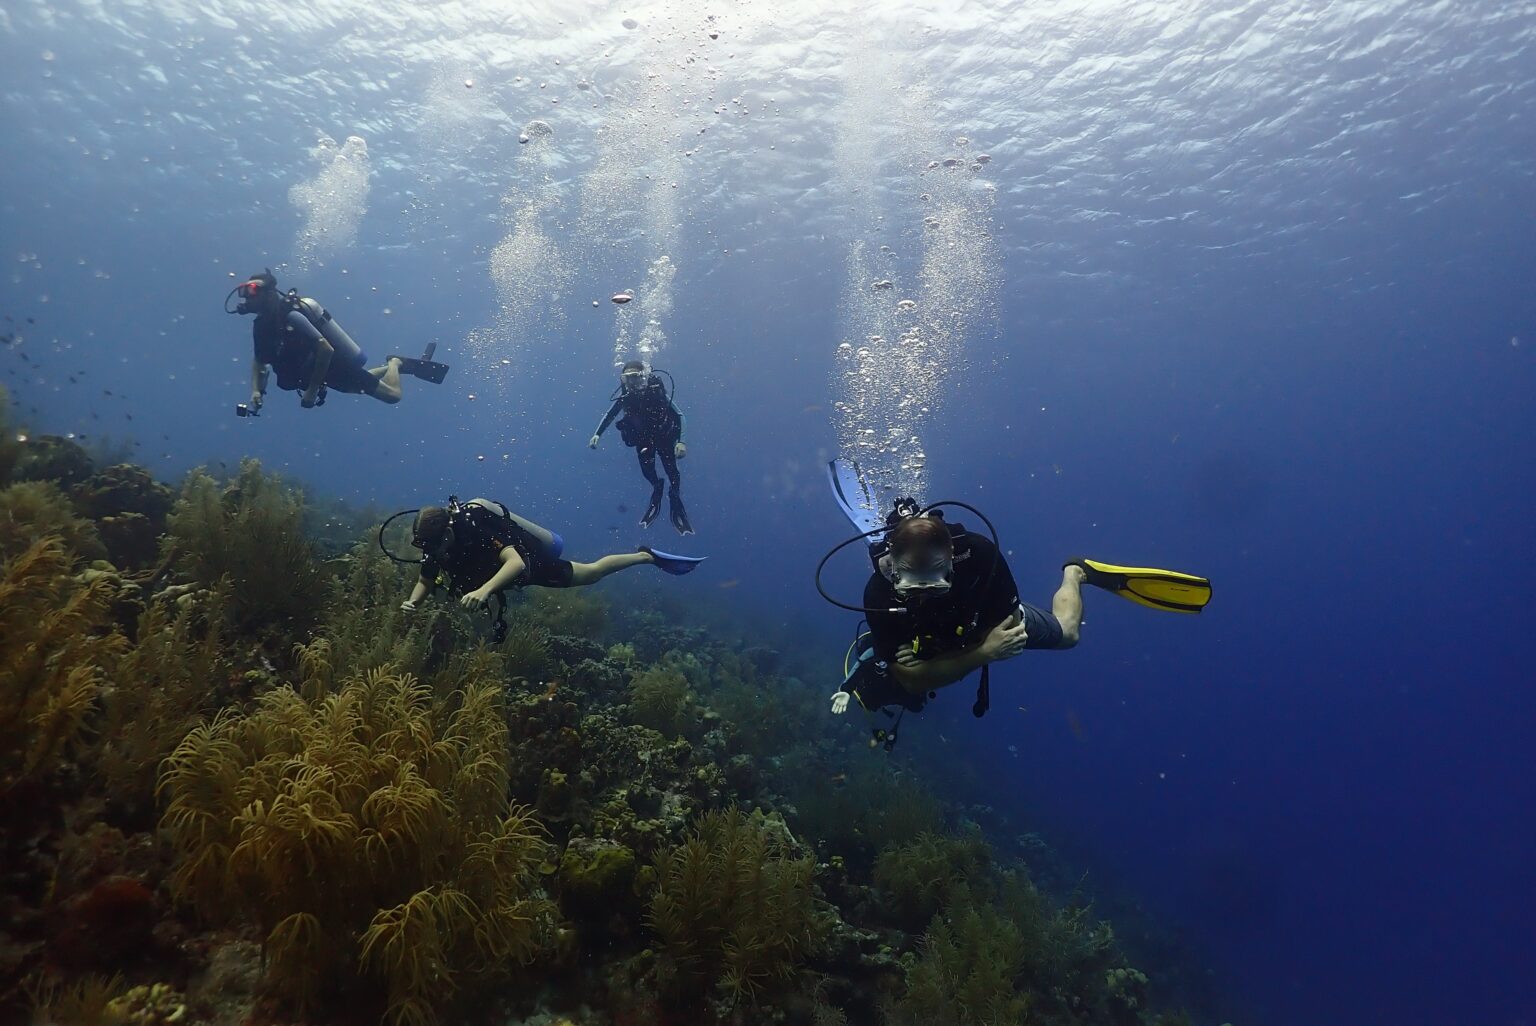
(853, 496)
(668, 563)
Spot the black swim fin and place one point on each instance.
(1148, 586)
(425, 368)
(654, 508)
(680, 516)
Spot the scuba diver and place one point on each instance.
(942, 603)
(310, 351)
(653, 426)
(479, 549)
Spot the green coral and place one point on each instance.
(733, 905)
(597, 877)
(659, 699)
(875, 805)
(917, 878)
(966, 975)
(365, 832)
(250, 533)
(32, 510)
(574, 612)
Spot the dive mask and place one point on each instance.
(633, 381)
(923, 573)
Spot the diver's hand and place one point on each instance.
(475, 599)
(408, 606)
(1005, 641)
(592, 442)
(255, 403)
(680, 450)
(839, 703)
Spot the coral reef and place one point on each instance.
(659, 699)
(55, 656)
(53, 458)
(250, 533)
(238, 775)
(10, 439)
(366, 831)
(733, 906)
(33, 510)
(916, 879)
(129, 508)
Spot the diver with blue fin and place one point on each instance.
(310, 351)
(653, 426)
(479, 549)
(942, 603)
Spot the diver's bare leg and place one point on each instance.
(1067, 604)
(389, 381)
(591, 573)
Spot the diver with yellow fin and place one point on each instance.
(941, 603)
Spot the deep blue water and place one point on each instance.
(1264, 309)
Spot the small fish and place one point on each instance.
(623, 508)
(733, 582)
(839, 779)
(1075, 724)
(106, 391)
(1022, 709)
(813, 408)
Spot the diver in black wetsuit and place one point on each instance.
(480, 549)
(310, 351)
(653, 426)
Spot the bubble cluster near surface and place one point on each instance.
(334, 201)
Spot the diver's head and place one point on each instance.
(634, 376)
(254, 293)
(922, 558)
(431, 532)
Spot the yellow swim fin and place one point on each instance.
(1148, 586)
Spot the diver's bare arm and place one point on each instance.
(258, 381)
(323, 353)
(940, 671)
(512, 567)
(422, 590)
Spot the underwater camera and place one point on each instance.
(242, 410)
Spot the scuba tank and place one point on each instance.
(347, 350)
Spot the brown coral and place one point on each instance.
(364, 831)
(55, 655)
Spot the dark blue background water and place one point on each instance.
(1324, 783)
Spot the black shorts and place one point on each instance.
(351, 378)
(546, 573)
(1044, 629)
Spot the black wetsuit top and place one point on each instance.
(958, 619)
(650, 416)
(479, 536)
